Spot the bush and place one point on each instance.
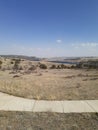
(58, 67)
(20, 68)
(16, 64)
(53, 67)
(43, 66)
(16, 76)
(1, 63)
(79, 65)
(16, 60)
(12, 62)
(13, 59)
(72, 67)
(63, 66)
(16, 67)
(32, 68)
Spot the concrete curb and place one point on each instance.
(12, 103)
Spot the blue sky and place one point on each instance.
(48, 28)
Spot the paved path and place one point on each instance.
(12, 103)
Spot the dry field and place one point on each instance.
(50, 84)
(48, 121)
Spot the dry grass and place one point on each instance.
(52, 85)
(47, 121)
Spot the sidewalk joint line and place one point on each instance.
(90, 106)
(34, 105)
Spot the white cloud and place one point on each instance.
(77, 47)
(94, 44)
(59, 41)
(88, 44)
(39, 49)
(83, 45)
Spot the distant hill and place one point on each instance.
(32, 58)
(70, 58)
(56, 59)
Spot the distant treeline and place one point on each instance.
(90, 64)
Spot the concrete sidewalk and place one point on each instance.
(12, 103)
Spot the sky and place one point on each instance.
(49, 28)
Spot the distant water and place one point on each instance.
(64, 62)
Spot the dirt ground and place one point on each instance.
(56, 84)
(47, 121)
